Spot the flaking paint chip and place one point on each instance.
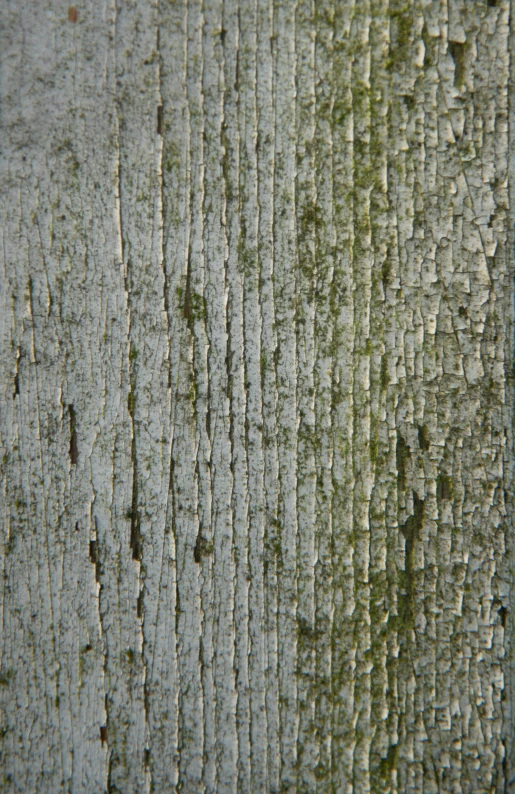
(72, 14)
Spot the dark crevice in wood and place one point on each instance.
(93, 551)
(402, 454)
(457, 50)
(17, 376)
(94, 557)
(187, 295)
(135, 521)
(203, 548)
(74, 451)
(443, 487)
(423, 438)
(411, 530)
(135, 540)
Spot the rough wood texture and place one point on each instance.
(255, 418)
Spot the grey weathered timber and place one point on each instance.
(256, 301)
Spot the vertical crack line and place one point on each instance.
(352, 379)
(510, 423)
(195, 309)
(231, 208)
(284, 299)
(161, 129)
(218, 331)
(334, 356)
(16, 391)
(266, 166)
(239, 275)
(294, 367)
(392, 253)
(306, 246)
(45, 518)
(252, 333)
(74, 453)
(377, 523)
(190, 723)
(135, 538)
(361, 463)
(186, 265)
(276, 541)
(264, 146)
(94, 558)
(123, 259)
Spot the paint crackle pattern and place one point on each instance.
(255, 415)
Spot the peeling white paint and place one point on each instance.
(255, 322)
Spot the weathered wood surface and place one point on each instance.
(255, 416)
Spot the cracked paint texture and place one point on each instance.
(256, 300)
